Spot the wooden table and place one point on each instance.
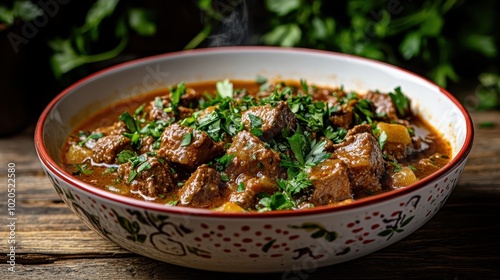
(461, 242)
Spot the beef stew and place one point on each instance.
(255, 146)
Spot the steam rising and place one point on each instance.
(233, 29)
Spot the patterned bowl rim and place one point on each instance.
(51, 165)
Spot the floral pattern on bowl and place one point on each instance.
(273, 246)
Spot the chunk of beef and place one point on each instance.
(199, 150)
(254, 165)
(360, 128)
(117, 128)
(274, 119)
(383, 105)
(156, 178)
(342, 118)
(146, 144)
(398, 144)
(251, 157)
(191, 98)
(108, 147)
(361, 152)
(330, 181)
(245, 199)
(396, 151)
(157, 112)
(201, 188)
(326, 95)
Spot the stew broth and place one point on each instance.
(255, 146)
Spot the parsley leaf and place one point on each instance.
(125, 156)
(225, 88)
(382, 139)
(186, 139)
(129, 121)
(256, 125)
(401, 101)
(82, 169)
(94, 136)
(176, 93)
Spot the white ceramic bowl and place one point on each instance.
(255, 242)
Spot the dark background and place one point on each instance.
(27, 82)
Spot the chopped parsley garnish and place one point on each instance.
(186, 139)
(401, 101)
(130, 122)
(256, 125)
(225, 88)
(109, 170)
(306, 154)
(260, 80)
(396, 165)
(241, 187)
(94, 136)
(176, 93)
(172, 203)
(337, 135)
(382, 139)
(144, 166)
(82, 169)
(158, 103)
(223, 162)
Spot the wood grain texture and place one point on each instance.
(461, 242)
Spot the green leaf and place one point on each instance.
(131, 176)
(297, 143)
(410, 47)
(256, 125)
(385, 232)
(432, 24)
(99, 10)
(186, 139)
(129, 121)
(141, 238)
(282, 7)
(6, 15)
(286, 35)
(176, 93)
(142, 21)
(442, 73)
(483, 44)
(407, 221)
(144, 166)
(268, 245)
(26, 10)
(172, 203)
(94, 136)
(330, 236)
(401, 101)
(260, 79)
(125, 224)
(241, 187)
(318, 234)
(319, 29)
(382, 139)
(65, 57)
(82, 169)
(225, 88)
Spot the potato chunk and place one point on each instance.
(230, 207)
(77, 154)
(396, 133)
(403, 177)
